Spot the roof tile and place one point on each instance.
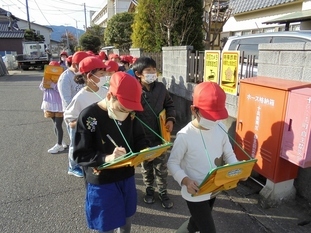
(240, 6)
(5, 33)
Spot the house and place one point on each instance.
(133, 5)
(12, 32)
(11, 37)
(39, 29)
(250, 17)
(109, 9)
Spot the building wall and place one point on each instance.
(45, 31)
(109, 9)
(11, 45)
(252, 22)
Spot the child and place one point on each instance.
(155, 98)
(199, 147)
(68, 88)
(62, 59)
(111, 196)
(93, 76)
(111, 68)
(52, 107)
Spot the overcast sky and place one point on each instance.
(53, 12)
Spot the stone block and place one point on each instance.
(292, 58)
(306, 74)
(278, 71)
(270, 57)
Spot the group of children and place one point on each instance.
(105, 123)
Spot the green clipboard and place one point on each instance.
(225, 177)
(134, 159)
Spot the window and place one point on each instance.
(249, 49)
(35, 46)
(234, 45)
(256, 40)
(268, 29)
(285, 39)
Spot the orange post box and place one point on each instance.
(296, 146)
(260, 124)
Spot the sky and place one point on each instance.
(53, 12)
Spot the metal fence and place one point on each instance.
(195, 66)
(196, 61)
(155, 56)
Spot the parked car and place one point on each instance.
(249, 45)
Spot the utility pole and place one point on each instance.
(29, 27)
(67, 37)
(85, 17)
(77, 35)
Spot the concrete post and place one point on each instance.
(136, 52)
(176, 71)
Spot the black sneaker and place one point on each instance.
(166, 202)
(149, 196)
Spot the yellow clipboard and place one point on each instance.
(225, 177)
(134, 159)
(162, 121)
(51, 73)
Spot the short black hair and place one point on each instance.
(143, 63)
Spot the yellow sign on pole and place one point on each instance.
(229, 72)
(211, 66)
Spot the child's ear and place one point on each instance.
(138, 75)
(193, 109)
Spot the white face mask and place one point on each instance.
(102, 81)
(115, 114)
(107, 79)
(150, 78)
(207, 124)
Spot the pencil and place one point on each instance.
(113, 142)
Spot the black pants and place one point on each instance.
(201, 216)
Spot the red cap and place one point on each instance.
(134, 59)
(127, 90)
(54, 63)
(126, 58)
(91, 63)
(69, 59)
(211, 101)
(64, 53)
(102, 55)
(111, 66)
(113, 55)
(79, 56)
(90, 53)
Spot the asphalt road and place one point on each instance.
(37, 195)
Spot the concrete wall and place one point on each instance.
(284, 61)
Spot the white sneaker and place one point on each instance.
(55, 149)
(64, 145)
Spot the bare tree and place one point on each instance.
(169, 14)
(216, 14)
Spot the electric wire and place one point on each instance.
(42, 13)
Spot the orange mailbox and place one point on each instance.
(260, 124)
(296, 146)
